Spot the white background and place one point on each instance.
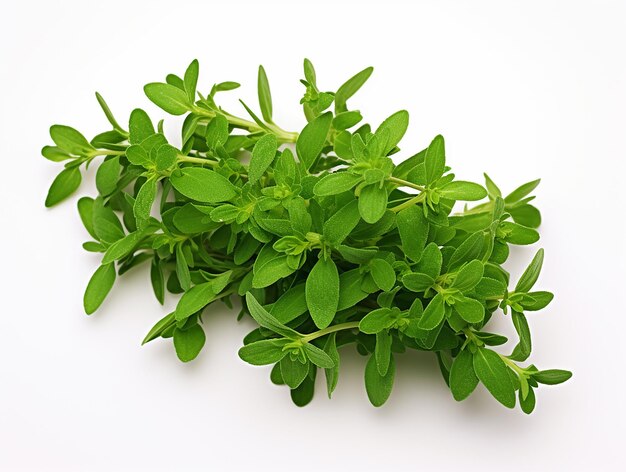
(519, 89)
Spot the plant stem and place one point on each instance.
(408, 203)
(196, 160)
(330, 329)
(251, 126)
(512, 364)
(107, 152)
(406, 183)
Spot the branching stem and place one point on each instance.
(330, 329)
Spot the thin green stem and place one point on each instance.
(406, 183)
(409, 203)
(512, 365)
(197, 160)
(107, 152)
(330, 329)
(251, 126)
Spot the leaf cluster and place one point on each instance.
(327, 236)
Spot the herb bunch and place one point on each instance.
(328, 243)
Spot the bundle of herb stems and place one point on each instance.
(332, 242)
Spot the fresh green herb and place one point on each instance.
(325, 239)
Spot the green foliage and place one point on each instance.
(327, 241)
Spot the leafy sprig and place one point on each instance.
(331, 242)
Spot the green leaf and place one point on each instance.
(469, 276)
(176, 81)
(265, 97)
(336, 183)
(350, 289)
(191, 80)
(417, 282)
(303, 394)
(539, 301)
(121, 248)
(168, 97)
(275, 376)
(98, 287)
(526, 215)
(182, 268)
(138, 155)
(469, 249)
(189, 342)
(262, 156)
(433, 314)
(493, 373)
(379, 387)
(194, 300)
(309, 72)
(322, 292)
(357, 255)
(552, 377)
(518, 234)
(55, 154)
(293, 371)
(164, 323)
(531, 274)
(217, 131)
(166, 157)
(339, 226)
(382, 351)
(488, 287)
(522, 191)
(256, 119)
(466, 191)
(85, 210)
(63, 186)
(395, 126)
(470, 310)
(140, 126)
(463, 379)
(332, 373)
(528, 403)
(263, 318)
(290, 305)
(318, 357)
(383, 274)
(269, 267)
(203, 185)
(491, 339)
(312, 139)
(413, 228)
(157, 280)
(435, 160)
(107, 112)
(144, 201)
(70, 140)
(299, 216)
(264, 352)
(522, 350)
(431, 261)
(492, 188)
(106, 224)
(372, 203)
(350, 87)
(345, 120)
(376, 321)
(226, 86)
(107, 176)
